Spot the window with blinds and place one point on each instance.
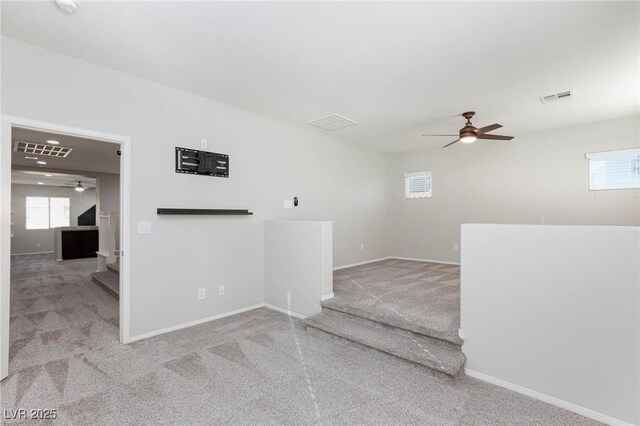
(47, 212)
(614, 170)
(417, 185)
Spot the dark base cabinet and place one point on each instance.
(79, 244)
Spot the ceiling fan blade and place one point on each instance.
(451, 143)
(486, 129)
(495, 137)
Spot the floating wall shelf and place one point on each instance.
(193, 212)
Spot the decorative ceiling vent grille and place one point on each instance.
(556, 96)
(41, 149)
(332, 122)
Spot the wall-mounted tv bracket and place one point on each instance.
(206, 163)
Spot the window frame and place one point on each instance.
(595, 155)
(48, 198)
(417, 195)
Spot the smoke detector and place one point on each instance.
(332, 122)
(556, 96)
(67, 6)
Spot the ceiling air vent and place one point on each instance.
(556, 96)
(41, 149)
(332, 122)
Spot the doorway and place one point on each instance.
(61, 261)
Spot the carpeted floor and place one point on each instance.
(260, 367)
(419, 296)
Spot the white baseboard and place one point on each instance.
(443, 262)
(327, 297)
(192, 323)
(211, 318)
(35, 252)
(351, 265)
(548, 399)
(284, 311)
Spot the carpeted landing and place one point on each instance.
(404, 308)
(259, 367)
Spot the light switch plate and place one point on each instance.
(288, 204)
(144, 227)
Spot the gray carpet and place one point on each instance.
(260, 367)
(436, 354)
(418, 296)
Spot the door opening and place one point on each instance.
(64, 234)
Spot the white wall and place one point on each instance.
(269, 161)
(535, 176)
(556, 310)
(108, 192)
(41, 240)
(298, 270)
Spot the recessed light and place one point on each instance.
(48, 175)
(67, 6)
(30, 158)
(40, 183)
(53, 142)
(42, 162)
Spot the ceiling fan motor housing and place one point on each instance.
(468, 133)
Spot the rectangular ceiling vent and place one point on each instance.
(332, 122)
(41, 149)
(556, 96)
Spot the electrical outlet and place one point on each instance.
(221, 290)
(456, 246)
(144, 227)
(202, 293)
(204, 144)
(361, 246)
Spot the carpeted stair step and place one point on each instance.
(107, 280)
(391, 318)
(114, 267)
(435, 354)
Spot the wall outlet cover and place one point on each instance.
(202, 293)
(144, 227)
(204, 144)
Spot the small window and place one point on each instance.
(47, 212)
(417, 185)
(614, 170)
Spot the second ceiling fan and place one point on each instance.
(469, 133)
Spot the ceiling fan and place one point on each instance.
(469, 133)
(79, 187)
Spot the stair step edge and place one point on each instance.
(452, 366)
(108, 281)
(450, 337)
(114, 267)
(366, 322)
